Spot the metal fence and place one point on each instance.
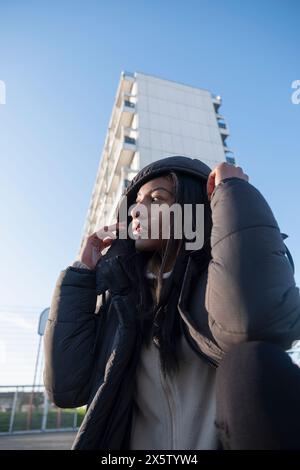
(27, 409)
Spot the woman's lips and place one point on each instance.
(138, 229)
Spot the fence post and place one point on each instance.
(45, 412)
(13, 412)
(75, 420)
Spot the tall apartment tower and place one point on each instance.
(153, 118)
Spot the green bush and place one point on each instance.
(57, 418)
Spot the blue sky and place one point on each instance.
(61, 63)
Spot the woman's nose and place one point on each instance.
(135, 212)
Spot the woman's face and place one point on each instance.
(155, 192)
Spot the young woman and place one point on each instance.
(187, 348)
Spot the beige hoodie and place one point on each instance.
(176, 412)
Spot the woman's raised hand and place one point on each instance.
(222, 171)
(97, 242)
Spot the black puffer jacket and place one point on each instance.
(246, 293)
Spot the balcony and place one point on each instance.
(223, 128)
(124, 178)
(125, 85)
(226, 148)
(127, 112)
(217, 101)
(120, 156)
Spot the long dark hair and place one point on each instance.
(160, 320)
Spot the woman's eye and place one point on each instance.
(155, 199)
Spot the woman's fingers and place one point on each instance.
(107, 230)
(97, 242)
(107, 242)
(221, 171)
(210, 184)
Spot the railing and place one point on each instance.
(27, 409)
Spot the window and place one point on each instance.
(129, 140)
(230, 160)
(129, 104)
(222, 125)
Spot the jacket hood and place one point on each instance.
(187, 165)
(191, 166)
